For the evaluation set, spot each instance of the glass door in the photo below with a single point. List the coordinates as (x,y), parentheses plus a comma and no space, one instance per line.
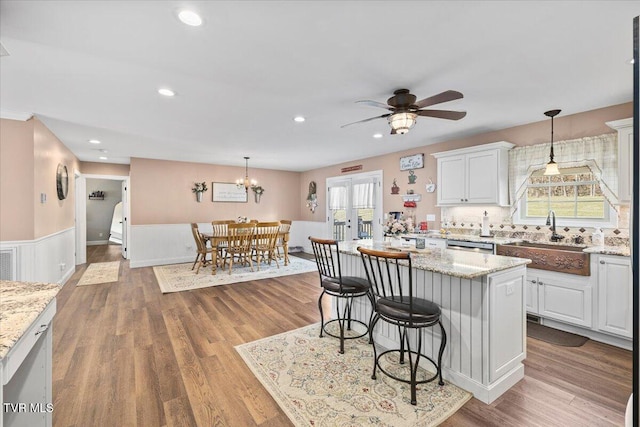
(353,208)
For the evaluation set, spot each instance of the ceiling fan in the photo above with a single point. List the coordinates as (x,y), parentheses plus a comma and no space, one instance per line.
(404,109)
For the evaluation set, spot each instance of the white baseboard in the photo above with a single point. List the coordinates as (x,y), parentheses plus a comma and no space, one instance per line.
(97,242)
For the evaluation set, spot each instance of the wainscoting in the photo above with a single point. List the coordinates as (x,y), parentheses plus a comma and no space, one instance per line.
(49,259)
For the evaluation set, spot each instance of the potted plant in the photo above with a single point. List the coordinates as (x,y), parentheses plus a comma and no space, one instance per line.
(257,192)
(199,188)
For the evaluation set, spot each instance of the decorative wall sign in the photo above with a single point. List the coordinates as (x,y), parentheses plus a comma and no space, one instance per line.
(228,192)
(351,168)
(62,181)
(415,161)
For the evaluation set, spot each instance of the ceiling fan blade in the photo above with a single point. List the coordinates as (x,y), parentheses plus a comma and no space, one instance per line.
(375,104)
(446,96)
(442,114)
(366,120)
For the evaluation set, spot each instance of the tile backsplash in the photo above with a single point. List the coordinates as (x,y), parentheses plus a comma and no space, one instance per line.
(468,220)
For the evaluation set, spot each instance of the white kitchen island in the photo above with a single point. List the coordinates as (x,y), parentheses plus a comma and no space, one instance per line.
(483,313)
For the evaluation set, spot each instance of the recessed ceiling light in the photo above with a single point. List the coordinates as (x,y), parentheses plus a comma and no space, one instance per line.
(94,141)
(102,158)
(190,18)
(377,135)
(298,119)
(166,92)
(632,61)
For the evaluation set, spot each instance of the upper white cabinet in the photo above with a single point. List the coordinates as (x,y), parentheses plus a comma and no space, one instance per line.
(474,175)
(625,157)
(615,295)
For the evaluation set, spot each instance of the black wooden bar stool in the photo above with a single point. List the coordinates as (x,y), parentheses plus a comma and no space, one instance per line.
(344,288)
(397,305)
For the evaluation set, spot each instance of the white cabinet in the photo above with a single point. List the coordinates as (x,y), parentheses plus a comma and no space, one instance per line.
(474,175)
(625,158)
(615,299)
(560,296)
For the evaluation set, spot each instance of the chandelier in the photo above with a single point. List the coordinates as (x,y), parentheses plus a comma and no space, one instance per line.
(401,122)
(246,183)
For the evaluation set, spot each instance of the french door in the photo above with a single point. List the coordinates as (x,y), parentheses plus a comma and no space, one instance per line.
(354,206)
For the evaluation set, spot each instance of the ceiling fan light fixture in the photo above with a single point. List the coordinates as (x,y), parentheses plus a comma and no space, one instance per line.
(552,166)
(401,122)
(190,18)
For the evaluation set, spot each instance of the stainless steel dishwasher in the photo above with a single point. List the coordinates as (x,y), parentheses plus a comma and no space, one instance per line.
(463,245)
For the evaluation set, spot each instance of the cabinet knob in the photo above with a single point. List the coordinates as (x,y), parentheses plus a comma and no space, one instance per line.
(466,200)
(533,282)
(462,200)
(602,261)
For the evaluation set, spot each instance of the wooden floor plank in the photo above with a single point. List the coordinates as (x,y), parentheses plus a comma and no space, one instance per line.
(126,354)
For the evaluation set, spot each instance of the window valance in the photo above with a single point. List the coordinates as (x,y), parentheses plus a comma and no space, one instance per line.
(598,153)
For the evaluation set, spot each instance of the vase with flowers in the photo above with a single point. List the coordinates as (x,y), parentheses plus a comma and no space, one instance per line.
(396,227)
(199,188)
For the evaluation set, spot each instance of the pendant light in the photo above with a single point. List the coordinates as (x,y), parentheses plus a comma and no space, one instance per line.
(246,183)
(552,167)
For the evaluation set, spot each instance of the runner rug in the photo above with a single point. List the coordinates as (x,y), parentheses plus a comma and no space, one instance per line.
(180,277)
(100,272)
(316,386)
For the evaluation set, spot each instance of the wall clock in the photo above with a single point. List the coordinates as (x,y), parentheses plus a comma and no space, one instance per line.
(62,181)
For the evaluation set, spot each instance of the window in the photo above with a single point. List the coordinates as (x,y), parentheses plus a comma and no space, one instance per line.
(575,195)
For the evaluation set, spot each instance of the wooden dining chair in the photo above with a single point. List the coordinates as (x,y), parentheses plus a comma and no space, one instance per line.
(283,240)
(264,245)
(201,247)
(239,238)
(219,237)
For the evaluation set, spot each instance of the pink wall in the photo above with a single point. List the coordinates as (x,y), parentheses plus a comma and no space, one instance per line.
(54,215)
(29,157)
(579,125)
(161,193)
(94,168)
(16,180)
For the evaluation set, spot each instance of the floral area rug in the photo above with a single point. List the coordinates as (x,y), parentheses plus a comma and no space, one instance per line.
(100,272)
(180,277)
(317,386)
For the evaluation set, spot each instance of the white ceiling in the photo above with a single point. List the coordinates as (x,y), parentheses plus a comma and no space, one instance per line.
(91,69)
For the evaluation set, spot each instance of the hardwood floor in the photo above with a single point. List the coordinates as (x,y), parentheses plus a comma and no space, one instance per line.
(125,354)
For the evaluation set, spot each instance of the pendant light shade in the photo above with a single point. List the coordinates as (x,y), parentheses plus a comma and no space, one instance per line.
(552,167)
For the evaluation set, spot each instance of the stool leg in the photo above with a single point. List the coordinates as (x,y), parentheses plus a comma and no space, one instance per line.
(321,313)
(414,367)
(373,310)
(402,333)
(443,343)
(375,353)
(341,320)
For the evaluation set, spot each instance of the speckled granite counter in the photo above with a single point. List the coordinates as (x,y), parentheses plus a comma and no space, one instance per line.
(463,264)
(609,250)
(20,304)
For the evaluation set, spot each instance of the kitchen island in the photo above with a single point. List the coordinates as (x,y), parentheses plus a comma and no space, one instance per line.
(26,312)
(483,312)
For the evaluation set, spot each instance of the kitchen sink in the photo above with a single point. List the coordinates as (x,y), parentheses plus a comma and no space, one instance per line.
(552,257)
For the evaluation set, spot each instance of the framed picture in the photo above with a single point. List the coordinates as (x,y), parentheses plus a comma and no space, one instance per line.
(412,162)
(228,192)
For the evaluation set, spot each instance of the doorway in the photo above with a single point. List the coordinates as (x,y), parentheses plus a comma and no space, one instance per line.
(354,206)
(117,231)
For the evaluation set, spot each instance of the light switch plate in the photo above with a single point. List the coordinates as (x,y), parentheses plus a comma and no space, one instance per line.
(431,217)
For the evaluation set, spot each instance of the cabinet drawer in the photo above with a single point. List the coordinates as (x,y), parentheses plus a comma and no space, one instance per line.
(21,349)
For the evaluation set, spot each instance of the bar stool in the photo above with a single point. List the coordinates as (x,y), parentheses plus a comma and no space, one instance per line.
(342,287)
(397,305)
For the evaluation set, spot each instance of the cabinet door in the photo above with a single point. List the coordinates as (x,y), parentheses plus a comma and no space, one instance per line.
(451,180)
(531,290)
(565,298)
(615,308)
(482,177)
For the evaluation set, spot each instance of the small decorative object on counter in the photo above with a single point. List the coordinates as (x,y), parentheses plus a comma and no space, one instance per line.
(578,239)
(257,192)
(412,177)
(394,188)
(598,237)
(394,227)
(485,232)
(199,188)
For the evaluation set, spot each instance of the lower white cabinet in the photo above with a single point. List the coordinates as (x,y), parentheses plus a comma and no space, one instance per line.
(560,296)
(615,302)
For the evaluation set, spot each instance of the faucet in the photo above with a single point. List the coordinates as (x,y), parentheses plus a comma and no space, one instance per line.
(555,237)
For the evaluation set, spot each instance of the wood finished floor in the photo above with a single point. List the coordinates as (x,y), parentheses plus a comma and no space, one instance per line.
(127,355)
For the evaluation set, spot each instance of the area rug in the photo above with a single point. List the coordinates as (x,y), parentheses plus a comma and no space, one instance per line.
(180,277)
(100,272)
(317,386)
(554,336)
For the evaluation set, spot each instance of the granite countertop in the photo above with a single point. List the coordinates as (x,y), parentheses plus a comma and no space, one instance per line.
(463,264)
(609,250)
(20,304)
